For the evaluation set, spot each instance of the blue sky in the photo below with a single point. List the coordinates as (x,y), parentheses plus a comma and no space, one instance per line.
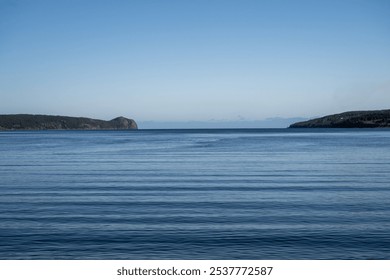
(194,60)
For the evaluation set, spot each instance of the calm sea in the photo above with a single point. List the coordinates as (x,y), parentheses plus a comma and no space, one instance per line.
(195,194)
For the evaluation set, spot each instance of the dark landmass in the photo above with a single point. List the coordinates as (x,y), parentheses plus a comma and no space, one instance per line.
(354,119)
(45,122)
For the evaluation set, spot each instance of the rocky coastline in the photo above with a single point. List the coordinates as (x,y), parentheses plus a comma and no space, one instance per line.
(353,119)
(50,122)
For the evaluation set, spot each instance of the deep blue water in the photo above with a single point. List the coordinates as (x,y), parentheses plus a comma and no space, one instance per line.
(195,194)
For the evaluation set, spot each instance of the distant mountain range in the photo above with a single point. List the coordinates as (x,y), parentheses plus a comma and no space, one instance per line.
(353,119)
(45,122)
(226,124)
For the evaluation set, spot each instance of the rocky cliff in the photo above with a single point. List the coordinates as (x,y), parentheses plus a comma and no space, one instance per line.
(44,122)
(354,119)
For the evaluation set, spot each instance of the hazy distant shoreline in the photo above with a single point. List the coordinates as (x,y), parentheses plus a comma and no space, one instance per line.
(352,119)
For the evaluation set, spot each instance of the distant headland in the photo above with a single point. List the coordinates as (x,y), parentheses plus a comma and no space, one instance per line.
(353,119)
(46,122)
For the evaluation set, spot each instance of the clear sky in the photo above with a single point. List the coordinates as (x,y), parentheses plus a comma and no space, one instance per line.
(194,60)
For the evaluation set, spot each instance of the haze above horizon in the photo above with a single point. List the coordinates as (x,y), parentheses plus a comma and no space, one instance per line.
(201,61)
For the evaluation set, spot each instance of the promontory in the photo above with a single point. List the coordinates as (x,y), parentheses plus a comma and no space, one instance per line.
(45,122)
(353,119)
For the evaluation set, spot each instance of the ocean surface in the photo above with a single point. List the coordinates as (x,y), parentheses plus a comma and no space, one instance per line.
(195,194)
